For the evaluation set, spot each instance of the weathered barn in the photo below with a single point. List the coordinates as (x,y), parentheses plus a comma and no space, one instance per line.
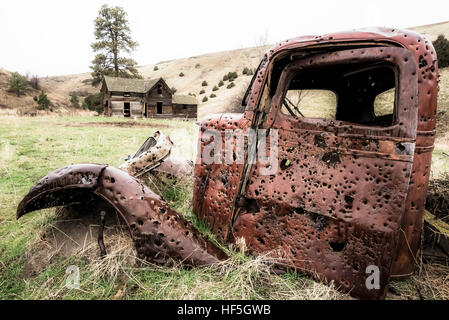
(145,98)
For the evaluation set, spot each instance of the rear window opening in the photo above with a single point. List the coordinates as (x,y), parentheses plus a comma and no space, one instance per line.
(358,93)
(310,103)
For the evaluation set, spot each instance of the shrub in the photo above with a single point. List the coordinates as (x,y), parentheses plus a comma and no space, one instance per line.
(213,95)
(202,91)
(441,45)
(215,88)
(181,74)
(225,77)
(250,72)
(74,101)
(197,66)
(205,99)
(231,85)
(221,83)
(42,102)
(155,68)
(35,98)
(245,70)
(94,102)
(204,83)
(232,76)
(17,84)
(173,89)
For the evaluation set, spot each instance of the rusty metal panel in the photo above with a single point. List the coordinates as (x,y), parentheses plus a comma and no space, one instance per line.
(217,184)
(160,234)
(360,220)
(338,207)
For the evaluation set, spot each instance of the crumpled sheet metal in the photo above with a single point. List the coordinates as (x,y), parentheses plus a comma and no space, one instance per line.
(152,157)
(160,234)
(176,167)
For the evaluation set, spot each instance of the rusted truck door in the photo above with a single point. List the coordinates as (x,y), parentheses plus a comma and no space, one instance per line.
(335,205)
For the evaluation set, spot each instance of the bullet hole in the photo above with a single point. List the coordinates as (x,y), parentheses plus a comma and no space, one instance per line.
(224,180)
(319,141)
(400,148)
(157,242)
(337,246)
(285,164)
(349,200)
(331,158)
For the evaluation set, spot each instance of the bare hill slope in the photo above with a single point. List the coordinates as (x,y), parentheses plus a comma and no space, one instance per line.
(209,67)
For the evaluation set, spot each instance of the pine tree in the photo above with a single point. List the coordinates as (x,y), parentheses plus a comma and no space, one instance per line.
(74,101)
(43,102)
(17,83)
(112,38)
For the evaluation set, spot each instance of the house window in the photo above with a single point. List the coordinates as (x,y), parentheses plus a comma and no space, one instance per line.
(127,109)
(159,89)
(184,106)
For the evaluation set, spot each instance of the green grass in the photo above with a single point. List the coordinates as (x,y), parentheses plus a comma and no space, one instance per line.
(32,147)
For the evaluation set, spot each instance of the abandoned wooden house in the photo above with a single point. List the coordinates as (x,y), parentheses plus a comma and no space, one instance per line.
(145,98)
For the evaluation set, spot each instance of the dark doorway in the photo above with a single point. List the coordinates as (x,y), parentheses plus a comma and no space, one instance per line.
(159,108)
(127,110)
(145,113)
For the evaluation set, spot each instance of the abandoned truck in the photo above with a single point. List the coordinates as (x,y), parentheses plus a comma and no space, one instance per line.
(349,190)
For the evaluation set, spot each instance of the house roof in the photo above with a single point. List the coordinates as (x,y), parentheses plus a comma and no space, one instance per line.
(184,99)
(143,86)
(129,85)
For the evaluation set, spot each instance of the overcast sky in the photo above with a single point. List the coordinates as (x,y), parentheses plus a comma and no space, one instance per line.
(51,37)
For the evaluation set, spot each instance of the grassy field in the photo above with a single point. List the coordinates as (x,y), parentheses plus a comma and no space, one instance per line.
(31,147)
(30,268)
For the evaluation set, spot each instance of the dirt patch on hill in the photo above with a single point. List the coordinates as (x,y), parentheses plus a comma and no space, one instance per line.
(122,124)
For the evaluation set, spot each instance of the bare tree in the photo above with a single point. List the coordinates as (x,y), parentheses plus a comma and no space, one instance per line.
(34,82)
(260,43)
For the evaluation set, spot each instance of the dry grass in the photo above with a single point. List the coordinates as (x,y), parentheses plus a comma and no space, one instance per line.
(239,277)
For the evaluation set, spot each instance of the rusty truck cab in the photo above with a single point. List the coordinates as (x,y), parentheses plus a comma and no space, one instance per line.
(349,191)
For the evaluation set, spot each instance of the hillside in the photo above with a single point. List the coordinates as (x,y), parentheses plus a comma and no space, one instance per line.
(432,31)
(210,67)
